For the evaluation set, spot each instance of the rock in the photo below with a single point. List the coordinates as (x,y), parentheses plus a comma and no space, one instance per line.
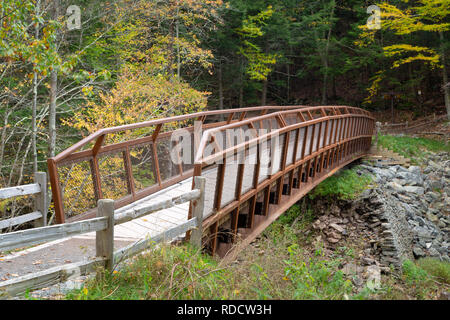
(357,281)
(434,166)
(415,170)
(435,184)
(385,270)
(432,217)
(433,252)
(415,190)
(368,261)
(432,196)
(373,277)
(396,187)
(350,269)
(418,252)
(319,225)
(444,296)
(337,227)
(399,181)
(332,240)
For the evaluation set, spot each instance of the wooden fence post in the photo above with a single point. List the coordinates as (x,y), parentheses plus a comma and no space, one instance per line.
(197,211)
(105,239)
(40,202)
(377,133)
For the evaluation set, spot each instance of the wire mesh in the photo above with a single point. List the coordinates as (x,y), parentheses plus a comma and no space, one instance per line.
(143,166)
(113,177)
(168,167)
(77,187)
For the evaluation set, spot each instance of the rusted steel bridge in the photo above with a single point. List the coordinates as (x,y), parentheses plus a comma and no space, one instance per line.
(278,154)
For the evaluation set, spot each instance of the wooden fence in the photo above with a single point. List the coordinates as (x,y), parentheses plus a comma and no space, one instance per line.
(411,127)
(103,225)
(39,188)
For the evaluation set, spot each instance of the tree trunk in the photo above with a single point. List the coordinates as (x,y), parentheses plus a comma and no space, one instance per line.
(34,110)
(446,84)
(178,47)
(288,87)
(265,82)
(220,80)
(219,76)
(325,60)
(264,93)
(241,86)
(53,94)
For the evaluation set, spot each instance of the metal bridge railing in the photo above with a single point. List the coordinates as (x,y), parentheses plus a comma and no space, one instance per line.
(129,162)
(299,149)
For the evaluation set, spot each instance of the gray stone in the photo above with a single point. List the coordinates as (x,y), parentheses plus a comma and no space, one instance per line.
(415,190)
(432,217)
(373,277)
(396,187)
(368,261)
(433,252)
(350,269)
(432,196)
(418,252)
(337,227)
(435,184)
(415,170)
(357,281)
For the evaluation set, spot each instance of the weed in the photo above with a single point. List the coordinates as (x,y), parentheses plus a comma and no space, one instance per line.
(346,184)
(436,268)
(414,148)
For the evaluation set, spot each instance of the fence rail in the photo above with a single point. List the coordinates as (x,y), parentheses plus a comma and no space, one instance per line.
(103,225)
(39,189)
(409,127)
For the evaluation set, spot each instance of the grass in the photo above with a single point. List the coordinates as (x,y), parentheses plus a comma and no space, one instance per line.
(279,266)
(439,270)
(414,148)
(346,184)
(423,279)
(167,272)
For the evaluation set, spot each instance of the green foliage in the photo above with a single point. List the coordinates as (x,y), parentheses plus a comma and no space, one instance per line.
(259,63)
(418,279)
(440,270)
(346,184)
(315,278)
(412,147)
(167,272)
(413,274)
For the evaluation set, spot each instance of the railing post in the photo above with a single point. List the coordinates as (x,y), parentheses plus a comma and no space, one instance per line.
(197,212)
(377,133)
(104,240)
(40,202)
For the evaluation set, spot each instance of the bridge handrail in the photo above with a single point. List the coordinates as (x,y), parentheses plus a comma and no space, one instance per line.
(284,128)
(72,155)
(343,133)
